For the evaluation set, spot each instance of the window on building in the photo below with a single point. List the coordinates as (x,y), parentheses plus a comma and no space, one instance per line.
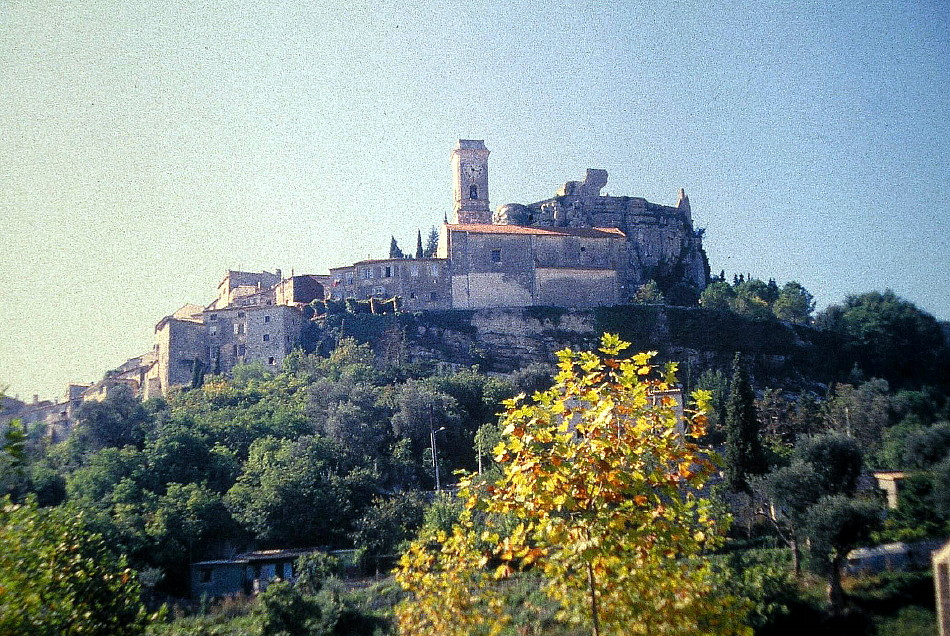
(433,269)
(213,330)
(235,350)
(240,314)
(389,272)
(433,296)
(413,270)
(238,328)
(496,256)
(266,318)
(473,192)
(213,317)
(271,361)
(241,350)
(266,337)
(412,295)
(287,338)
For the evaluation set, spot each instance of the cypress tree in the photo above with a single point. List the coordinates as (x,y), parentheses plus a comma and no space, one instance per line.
(418,243)
(744,455)
(394,251)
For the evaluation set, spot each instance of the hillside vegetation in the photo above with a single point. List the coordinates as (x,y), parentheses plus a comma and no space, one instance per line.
(335,451)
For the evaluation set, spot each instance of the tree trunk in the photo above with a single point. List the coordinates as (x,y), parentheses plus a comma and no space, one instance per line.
(593,599)
(796,558)
(835,592)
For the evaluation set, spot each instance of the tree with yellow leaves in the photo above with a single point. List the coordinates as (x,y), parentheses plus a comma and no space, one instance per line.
(602,494)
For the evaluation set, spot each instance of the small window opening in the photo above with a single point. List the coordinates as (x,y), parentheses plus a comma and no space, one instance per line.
(267,318)
(496,256)
(473,192)
(266,337)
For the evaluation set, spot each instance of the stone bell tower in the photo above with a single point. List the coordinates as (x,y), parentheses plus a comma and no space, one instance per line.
(470,176)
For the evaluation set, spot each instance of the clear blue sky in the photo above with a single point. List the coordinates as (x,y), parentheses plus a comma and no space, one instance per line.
(148,147)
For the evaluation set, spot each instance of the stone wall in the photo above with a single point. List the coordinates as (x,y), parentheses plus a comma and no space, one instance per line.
(179,343)
(251,334)
(504,340)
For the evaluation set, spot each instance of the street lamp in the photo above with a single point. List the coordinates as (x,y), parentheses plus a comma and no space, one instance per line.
(435,455)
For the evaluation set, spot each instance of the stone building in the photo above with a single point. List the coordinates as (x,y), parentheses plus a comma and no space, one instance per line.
(420,283)
(577,249)
(255,317)
(515,266)
(238,335)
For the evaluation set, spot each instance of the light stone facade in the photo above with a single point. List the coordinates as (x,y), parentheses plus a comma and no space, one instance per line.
(578,249)
(420,283)
(513,266)
(238,335)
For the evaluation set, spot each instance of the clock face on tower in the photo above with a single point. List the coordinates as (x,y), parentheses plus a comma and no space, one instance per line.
(472,170)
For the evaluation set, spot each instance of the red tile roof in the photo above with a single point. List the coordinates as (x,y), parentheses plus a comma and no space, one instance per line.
(582,232)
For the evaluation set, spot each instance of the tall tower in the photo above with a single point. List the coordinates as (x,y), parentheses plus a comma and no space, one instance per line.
(470,174)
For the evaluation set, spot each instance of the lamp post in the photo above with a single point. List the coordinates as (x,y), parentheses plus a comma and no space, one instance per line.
(435,454)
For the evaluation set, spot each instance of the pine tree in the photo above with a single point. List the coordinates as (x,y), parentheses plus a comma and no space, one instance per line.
(419,251)
(744,455)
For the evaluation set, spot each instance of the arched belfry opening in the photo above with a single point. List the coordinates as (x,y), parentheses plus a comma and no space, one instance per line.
(473,192)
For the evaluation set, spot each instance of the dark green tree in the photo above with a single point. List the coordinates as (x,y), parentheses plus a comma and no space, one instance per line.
(836,524)
(890,338)
(927,446)
(13,460)
(649,294)
(387,523)
(58,579)
(432,243)
(394,251)
(300,492)
(419,251)
(718,296)
(283,610)
(119,420)
(941,489)
(824,468)
(744,454)
(793,303)
(752,299)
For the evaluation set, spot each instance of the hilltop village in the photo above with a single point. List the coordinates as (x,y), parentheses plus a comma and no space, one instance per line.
(577,249)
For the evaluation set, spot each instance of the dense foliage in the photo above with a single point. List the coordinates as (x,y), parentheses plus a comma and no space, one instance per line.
(58,579)
(316,455)
(600,495)
(336,450)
